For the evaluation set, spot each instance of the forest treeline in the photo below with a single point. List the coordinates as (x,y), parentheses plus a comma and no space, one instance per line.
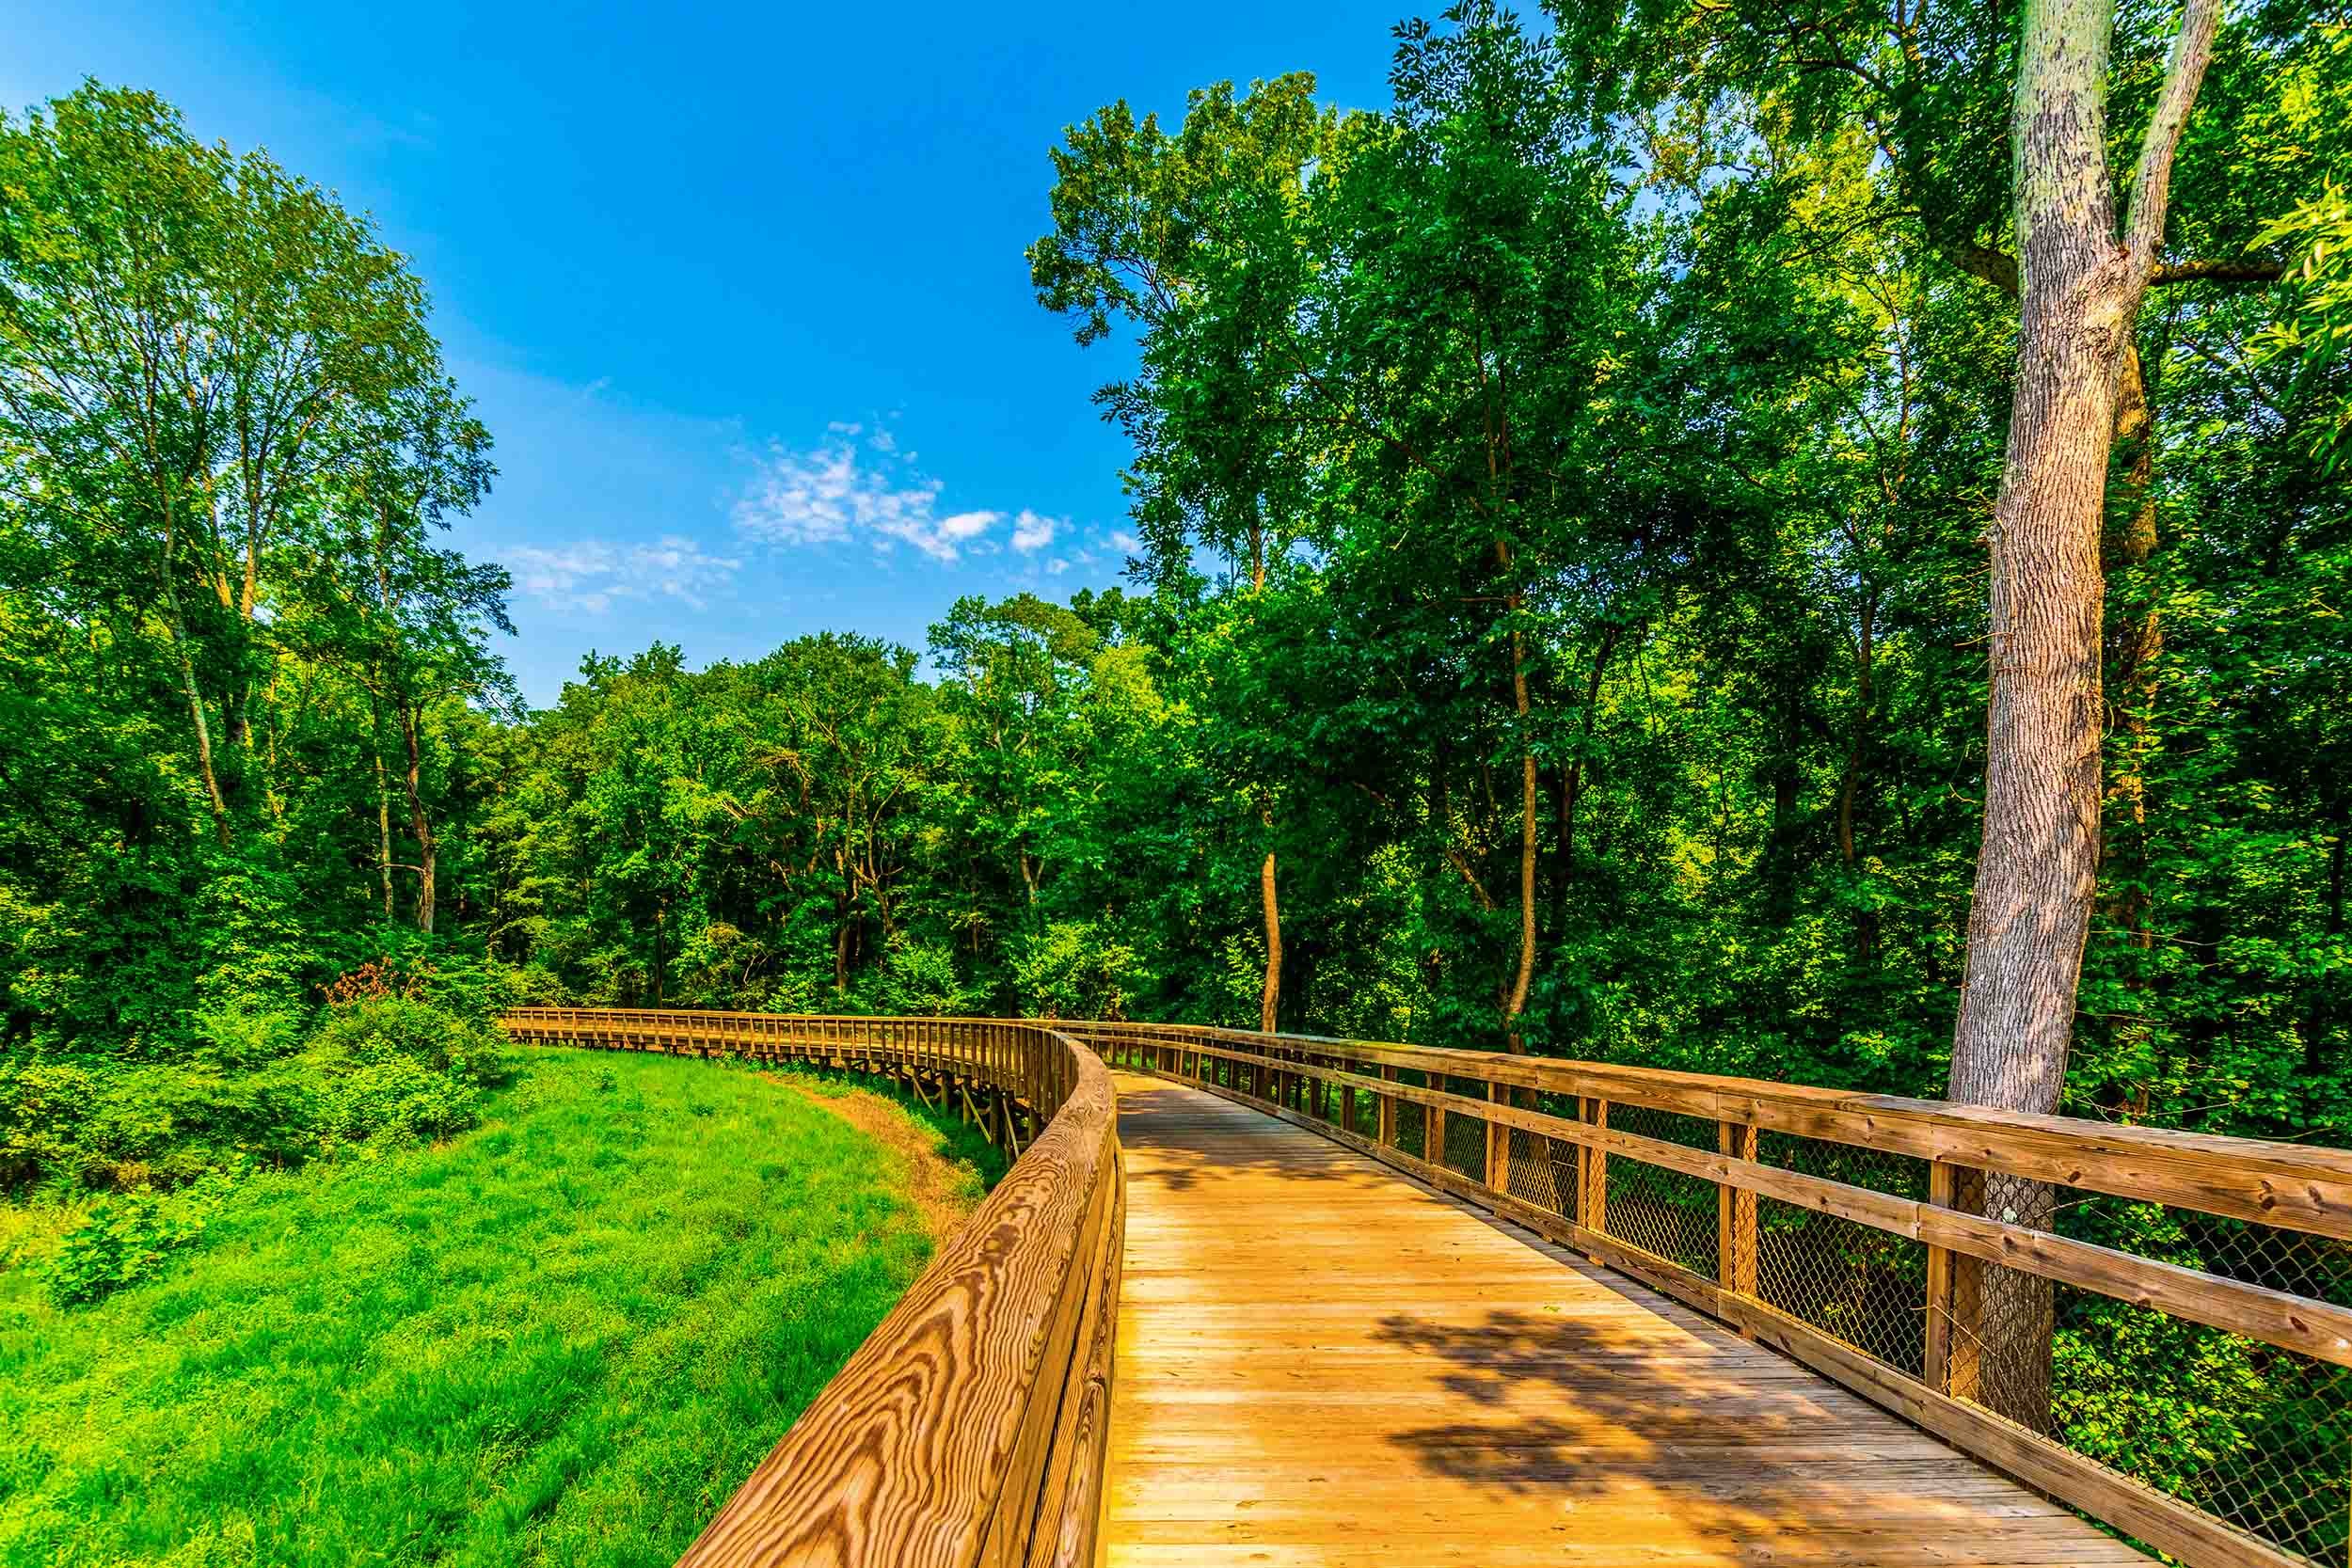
(1560,618)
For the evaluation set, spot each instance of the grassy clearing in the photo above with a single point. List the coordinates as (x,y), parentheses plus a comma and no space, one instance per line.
(564,1337)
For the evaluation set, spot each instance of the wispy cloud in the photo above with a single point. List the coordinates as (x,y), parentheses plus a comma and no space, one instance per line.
(1033,532)
(858,484)
(589,575)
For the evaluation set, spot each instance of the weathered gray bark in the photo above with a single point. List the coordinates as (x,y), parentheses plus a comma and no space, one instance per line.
(2036,874)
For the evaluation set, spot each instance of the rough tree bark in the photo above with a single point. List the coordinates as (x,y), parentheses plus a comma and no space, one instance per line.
(2082,285)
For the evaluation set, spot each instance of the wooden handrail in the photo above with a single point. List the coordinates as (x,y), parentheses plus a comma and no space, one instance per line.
(2290,1194)
(969,1428)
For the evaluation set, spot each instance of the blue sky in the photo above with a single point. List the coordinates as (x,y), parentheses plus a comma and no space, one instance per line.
(738,289)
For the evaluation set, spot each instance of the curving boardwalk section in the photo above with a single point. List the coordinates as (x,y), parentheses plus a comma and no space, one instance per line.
(1320,1361)
(1283,1300)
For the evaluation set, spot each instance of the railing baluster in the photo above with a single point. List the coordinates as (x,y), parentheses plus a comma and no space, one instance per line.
(1433,1121)
(1593,1167)
(1498,1144)
(1955,1292)
(1735,1213)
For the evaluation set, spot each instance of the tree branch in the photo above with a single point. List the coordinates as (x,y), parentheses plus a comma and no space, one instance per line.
(2246,271)
(2151,179)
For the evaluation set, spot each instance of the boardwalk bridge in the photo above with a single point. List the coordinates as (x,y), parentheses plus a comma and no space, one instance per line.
(1270,1299)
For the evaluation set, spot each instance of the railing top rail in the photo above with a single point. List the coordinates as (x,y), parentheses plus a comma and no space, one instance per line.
(2295,1186)
(1932,1128)
(968,1428)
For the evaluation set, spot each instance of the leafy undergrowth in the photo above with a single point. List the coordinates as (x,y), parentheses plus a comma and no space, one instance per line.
(564,1337)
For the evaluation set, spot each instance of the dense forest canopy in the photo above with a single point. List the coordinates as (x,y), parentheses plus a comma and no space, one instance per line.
(1559,621)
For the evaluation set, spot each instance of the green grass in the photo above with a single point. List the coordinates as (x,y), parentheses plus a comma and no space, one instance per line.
(563,1338)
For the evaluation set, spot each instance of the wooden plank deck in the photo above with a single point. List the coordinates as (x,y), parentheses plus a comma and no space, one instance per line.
(1322,1362)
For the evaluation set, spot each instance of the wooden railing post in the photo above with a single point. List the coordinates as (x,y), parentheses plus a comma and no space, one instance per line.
(1735,1214)
(1592,1203)
(1498,1145)
(1433,1121)
(1387,1130)
(1955,1292)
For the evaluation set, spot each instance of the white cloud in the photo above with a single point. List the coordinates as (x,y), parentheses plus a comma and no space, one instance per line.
(969,525)
(1033,532)
(1057,566)
(1122,540)
(589,574)
(843,489)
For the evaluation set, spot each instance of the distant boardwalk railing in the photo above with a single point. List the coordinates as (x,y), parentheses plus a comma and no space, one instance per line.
(2200,1401)
(969,1428)
(2152,1327)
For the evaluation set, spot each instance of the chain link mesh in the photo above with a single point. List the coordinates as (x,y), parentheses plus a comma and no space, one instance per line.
(1466,1132)
(1542,1174)
(1409,1119)
(1849,1280)
(2251,1433)
(1662,1211)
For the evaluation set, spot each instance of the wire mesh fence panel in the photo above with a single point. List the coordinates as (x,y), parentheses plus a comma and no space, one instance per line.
(2251,1434)
(1664,1212)
(1862,1285)
(1465,1132)
(1541,1173)
(1409,1121)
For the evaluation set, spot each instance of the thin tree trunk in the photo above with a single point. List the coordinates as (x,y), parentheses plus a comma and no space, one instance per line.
(1857,749)
(383,818)
(420,825)
(1270,999)
(2138,639)
(2037,873)
(1517,1003)
(179,626)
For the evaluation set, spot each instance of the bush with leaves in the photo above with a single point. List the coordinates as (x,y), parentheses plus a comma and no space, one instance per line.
(126,1237)
(396,1068)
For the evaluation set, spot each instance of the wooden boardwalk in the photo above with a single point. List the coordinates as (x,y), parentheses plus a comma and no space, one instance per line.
(1320,1361)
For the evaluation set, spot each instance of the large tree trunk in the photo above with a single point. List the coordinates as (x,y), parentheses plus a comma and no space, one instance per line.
(2038,868)
(422,828)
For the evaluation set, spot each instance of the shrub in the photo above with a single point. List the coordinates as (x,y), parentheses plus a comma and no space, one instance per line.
(126,1237)
(241,1035)
(393,1067)
(397,1099)
(919,978)
(89,1122)
(392,1028)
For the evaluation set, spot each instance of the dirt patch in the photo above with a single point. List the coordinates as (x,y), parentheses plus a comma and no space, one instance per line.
(943,1190)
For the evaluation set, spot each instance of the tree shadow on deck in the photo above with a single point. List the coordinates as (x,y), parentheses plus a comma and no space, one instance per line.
(1198,1141)
(1705,1449)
